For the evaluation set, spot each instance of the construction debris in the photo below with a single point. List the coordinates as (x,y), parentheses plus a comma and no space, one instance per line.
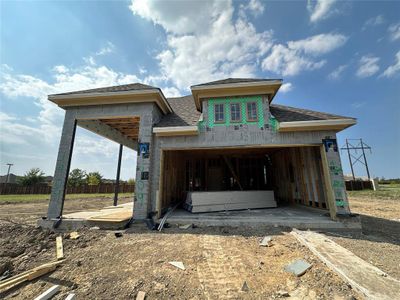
(282,294)
(29,275)
(187,226)
(177,264)
(245,287)
(59,248)
(71,297)
(298,267)
(141,295)
(266,242)
(49,293)
(119,233)
(361,275)
(164,219)
(73,235)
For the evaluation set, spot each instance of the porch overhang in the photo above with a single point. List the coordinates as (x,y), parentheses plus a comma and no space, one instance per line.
(100,98)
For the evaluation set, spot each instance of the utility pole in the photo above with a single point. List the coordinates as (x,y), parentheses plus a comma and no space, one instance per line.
(8,176)
(350,147)
(351,164)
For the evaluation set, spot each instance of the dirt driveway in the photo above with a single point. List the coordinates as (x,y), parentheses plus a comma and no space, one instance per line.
(218,260)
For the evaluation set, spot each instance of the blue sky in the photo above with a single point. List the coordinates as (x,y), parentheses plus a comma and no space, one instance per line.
(334,56)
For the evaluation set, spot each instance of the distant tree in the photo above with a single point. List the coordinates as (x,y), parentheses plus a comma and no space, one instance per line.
(94,178)
(77,177)
(32,177)
(131,181)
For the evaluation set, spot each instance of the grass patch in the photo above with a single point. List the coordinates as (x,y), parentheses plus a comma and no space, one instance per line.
(46,197)
(384,192)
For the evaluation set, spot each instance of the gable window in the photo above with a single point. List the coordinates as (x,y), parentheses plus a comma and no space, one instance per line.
(252,111)
(235,112)
(219,113)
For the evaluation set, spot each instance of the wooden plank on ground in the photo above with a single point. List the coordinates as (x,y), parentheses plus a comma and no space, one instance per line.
(29,275)
(141,295)
(364,277)
(119,216)
(59,248)
(49,293)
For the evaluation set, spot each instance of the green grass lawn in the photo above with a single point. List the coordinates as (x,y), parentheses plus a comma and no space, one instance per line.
(385,191)
(46,197)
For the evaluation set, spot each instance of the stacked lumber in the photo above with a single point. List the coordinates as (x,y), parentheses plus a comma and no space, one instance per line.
(197,202)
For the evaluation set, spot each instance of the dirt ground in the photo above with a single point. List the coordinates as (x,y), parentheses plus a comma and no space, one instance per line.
(218,260)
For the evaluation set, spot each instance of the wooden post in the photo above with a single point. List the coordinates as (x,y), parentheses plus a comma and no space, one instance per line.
(118,173)
(330,199)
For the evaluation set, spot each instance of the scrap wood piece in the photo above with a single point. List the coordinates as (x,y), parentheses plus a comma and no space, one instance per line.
(366,278)
(141,295)
(186,226)
(29,275)
(177,264)
(74,235)
(49,293)
(266,242)
(59,248)
(298,267)
(71,297)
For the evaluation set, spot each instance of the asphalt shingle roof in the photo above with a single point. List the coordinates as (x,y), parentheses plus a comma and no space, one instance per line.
(110,89)
(235,80)
(186,114)
(291,114)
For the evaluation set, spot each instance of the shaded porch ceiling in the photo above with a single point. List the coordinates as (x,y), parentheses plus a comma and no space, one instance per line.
(128,127)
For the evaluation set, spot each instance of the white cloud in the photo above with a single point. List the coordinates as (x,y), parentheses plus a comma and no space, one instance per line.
(394,31)
(320,9)
(374,21)
(367,66)
(335,74)
(171,92)
(255,7)
(393,69)
(205,40)
(301,55)
(286,87)
(107,49)
(50,116)
(180,17)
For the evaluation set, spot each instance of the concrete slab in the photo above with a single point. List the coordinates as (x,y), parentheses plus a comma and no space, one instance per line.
(290,216)
(298,267)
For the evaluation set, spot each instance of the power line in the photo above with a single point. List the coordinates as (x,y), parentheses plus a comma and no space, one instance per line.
(351,148)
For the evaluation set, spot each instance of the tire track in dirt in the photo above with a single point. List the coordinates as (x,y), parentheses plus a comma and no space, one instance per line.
(221,272)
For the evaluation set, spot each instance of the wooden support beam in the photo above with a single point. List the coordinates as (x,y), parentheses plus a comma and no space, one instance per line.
(330,196)
(229,164)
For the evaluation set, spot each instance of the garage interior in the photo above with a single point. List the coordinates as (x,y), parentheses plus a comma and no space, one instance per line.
(294,174)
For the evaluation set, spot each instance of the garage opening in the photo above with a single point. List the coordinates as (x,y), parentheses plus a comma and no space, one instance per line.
(288,175)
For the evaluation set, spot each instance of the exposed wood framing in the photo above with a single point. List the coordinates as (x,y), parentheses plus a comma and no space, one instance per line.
(129,127)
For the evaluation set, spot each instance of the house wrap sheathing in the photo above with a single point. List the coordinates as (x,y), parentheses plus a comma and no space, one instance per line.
(227,136)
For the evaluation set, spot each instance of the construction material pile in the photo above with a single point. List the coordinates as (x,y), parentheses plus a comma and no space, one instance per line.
(197,202)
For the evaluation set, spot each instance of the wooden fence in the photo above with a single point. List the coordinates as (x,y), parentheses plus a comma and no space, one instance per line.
(104,188)
(358,185)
